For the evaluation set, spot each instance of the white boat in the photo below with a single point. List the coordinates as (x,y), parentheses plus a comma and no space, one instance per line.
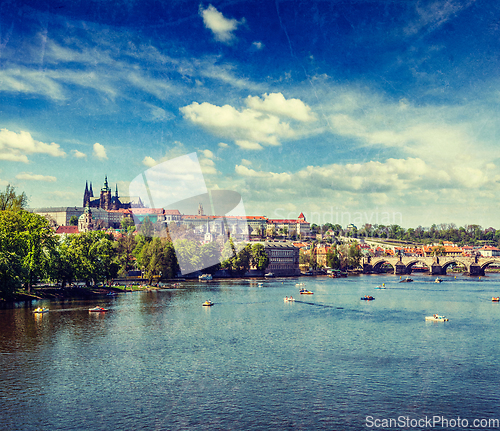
(208,303)
(269,275)
(205,277)
(436,318)
(98,309)
(287,299)
(40,310)
(382,286)
(438,280)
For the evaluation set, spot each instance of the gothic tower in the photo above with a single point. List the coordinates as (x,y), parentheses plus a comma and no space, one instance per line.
(105,197)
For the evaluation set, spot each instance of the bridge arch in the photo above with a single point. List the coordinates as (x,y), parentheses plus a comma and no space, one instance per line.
(409,265)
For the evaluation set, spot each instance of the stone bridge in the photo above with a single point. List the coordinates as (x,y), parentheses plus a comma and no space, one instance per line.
(437,265)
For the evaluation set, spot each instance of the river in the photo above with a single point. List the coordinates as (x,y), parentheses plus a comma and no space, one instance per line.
(158,360)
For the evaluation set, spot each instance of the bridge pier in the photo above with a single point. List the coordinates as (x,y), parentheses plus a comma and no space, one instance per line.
(400,268)
(367,268)
(437,269)
(475,269)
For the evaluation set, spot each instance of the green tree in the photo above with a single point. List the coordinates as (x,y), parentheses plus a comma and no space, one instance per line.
(333,258)
(260,259)
(93,255)
(354,255)
(11,201)
(73,221)
(126,223)
(30,238)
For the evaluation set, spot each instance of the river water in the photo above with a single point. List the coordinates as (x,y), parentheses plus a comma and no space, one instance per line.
(329,361)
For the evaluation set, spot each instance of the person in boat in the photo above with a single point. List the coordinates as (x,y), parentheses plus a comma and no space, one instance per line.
(286,298)
(291,297)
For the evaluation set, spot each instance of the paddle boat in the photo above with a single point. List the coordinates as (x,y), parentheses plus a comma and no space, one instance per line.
(305,292)
(367,298)
(111,294)
(260,284)
(40,310)
(436,318)
(300,284)
(438,280)
(287,299)
(98,309)
(496,299)
(269,275)
(208,303)
(406,280)
(205,277)
(382,286)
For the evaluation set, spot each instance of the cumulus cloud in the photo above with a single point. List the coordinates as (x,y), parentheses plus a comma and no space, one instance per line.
(249,128)
(78,154)
(35,177)
(223,145)
(15,146)
(100,151)
(275,103)
(221,27)
(258,45)
(149,161)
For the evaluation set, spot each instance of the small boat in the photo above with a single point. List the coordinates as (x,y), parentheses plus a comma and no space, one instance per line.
(382,286)
(205,277)
(40,310)
(305,292)
(436,318)
(111,294)
(260,284)
(287,299)
(406,280)
(269,275)
(300,284)
(367,298)
(208,303)
(496,299)
(438,280)
(98,309)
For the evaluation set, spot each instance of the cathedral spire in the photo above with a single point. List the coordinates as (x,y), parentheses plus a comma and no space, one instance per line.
(116,191)
(90,191)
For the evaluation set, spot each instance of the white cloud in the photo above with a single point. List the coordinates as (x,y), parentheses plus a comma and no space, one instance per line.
(221,27)
(208,166)
(248,145)
(149,161)
(246,162)
(249,127)
(258,45)
(15,146)
(35,177)
(223,145)
(79,154)
(208,154)
(275,103)
(100,151)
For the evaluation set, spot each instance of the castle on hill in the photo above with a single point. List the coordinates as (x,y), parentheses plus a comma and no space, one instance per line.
(107,202)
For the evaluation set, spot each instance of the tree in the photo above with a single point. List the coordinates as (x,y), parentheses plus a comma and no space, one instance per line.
(10,201)
(147,229)
(73,221)
(260,259)
(354,255)
(28,236)
(126,223)
(333,258)
(93,255)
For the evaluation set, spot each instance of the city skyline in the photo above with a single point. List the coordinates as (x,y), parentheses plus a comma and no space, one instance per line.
(348,112)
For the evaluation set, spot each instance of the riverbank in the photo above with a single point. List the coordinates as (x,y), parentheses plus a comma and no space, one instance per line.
(75,292)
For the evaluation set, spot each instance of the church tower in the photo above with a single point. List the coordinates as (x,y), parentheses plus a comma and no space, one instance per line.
(105,197)
(200,209)
(116,199)
(85,223)
(86,195)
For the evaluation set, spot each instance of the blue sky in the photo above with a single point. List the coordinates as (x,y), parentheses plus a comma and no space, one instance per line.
(362,111)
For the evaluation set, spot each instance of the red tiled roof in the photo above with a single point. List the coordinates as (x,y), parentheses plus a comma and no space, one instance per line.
(67,229)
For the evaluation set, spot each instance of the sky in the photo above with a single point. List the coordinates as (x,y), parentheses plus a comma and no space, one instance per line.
(380,112)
